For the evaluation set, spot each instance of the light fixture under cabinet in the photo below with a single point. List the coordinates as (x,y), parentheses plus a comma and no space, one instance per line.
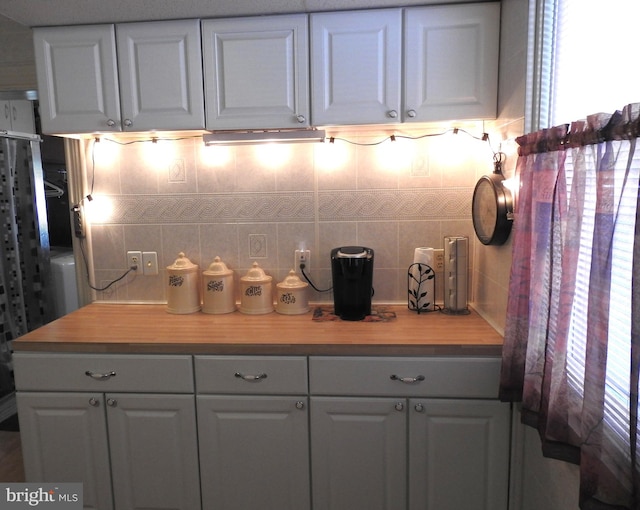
(258,137)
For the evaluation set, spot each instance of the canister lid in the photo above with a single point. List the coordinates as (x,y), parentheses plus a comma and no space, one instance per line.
(292,281)
(218,268)
(256,275)
(182,263)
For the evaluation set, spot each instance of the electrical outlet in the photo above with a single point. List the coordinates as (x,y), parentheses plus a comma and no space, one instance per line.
(150,263)
(438,261)
(134,258)
(302,257)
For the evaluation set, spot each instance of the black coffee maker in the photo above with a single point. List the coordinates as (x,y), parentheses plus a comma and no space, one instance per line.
(352,273)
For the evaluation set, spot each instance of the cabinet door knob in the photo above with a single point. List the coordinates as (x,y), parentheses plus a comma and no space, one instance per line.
(299,405)
(392,114)
(128,122)
(112,402)
(100,377)
(419,408)
(407,380)
(399,406)
(15,113)
(301,119)
(251,377)
(111,122)
(412,113)
(94,402)
(6,111)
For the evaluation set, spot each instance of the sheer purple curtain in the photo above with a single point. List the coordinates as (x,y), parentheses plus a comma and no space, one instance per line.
(573,319)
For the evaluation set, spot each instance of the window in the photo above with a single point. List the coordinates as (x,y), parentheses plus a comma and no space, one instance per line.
(574,292)
(589,63)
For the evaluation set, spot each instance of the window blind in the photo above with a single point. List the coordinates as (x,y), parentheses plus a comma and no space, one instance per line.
(589,58)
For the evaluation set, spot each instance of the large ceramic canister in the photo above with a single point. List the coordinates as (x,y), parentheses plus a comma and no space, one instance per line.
(255,292)
(183,293)
(291,295)
(217,288)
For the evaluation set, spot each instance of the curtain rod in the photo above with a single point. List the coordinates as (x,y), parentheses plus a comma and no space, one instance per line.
(597,128)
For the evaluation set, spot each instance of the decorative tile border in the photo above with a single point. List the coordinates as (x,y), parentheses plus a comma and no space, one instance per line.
(424,204)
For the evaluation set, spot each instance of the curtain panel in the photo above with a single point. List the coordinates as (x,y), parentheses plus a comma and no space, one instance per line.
(572,335)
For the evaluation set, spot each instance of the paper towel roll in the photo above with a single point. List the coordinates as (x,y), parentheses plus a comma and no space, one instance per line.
(422,256)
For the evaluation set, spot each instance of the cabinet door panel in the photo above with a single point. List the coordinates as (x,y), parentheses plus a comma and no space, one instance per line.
(256,72)
(356,67)
(358,452)
(451,62)
(160,68)
(458,455)
(77,79)
(254,452)
(154,454)
(64,439)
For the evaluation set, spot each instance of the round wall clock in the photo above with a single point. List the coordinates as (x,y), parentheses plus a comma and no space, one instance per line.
(492,207)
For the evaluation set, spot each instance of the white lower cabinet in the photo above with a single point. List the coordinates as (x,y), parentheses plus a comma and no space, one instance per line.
(64,439)
(254,452)
(358,452)
(458,454)
(253,428)
(272,432)
(402,433)
(131,451)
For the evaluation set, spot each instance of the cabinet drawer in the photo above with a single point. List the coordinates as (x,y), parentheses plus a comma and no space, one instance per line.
(103,372)
(251,375)
(420,377)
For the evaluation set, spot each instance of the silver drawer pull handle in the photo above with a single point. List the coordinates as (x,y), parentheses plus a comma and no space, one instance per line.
(407,380)
(249,377)
(100,377)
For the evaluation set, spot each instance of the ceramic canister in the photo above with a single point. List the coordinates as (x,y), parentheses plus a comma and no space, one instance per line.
(183,294)
(292,295)
(255,292)
(217,288)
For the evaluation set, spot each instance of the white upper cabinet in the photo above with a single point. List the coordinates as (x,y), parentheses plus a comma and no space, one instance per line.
(77,78)
(160,70)
(377,66)
(156,77)
(356,67)
(256,72)
(441,65)
(451,62)
(17,115)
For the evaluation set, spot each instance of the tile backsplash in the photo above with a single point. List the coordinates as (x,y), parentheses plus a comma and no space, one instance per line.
(260,203)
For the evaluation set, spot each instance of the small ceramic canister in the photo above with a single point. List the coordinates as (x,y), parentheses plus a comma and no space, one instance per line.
(183,295)
(217,288)
(255,292)
(292,295)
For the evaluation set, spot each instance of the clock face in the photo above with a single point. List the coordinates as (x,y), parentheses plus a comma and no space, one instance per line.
(492,210)
(485,211)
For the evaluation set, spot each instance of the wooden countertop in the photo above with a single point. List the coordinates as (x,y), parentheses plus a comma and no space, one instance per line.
(128,328)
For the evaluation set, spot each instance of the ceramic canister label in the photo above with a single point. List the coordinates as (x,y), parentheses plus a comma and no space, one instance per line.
(175,280)
(215,286)
(288,298)
(253,290)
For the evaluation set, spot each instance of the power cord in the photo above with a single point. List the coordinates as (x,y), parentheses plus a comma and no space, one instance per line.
(302,266)
(86,266)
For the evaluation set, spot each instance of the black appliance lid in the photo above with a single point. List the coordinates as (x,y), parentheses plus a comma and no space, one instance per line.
(354,252)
